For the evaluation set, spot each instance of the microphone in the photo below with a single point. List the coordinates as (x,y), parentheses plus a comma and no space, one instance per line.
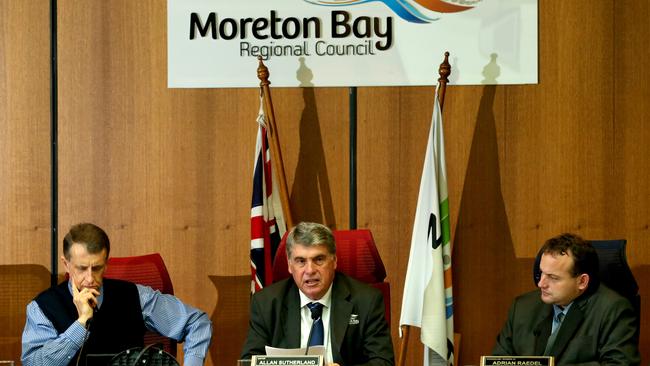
(90,321)
(315,316)
(317,313)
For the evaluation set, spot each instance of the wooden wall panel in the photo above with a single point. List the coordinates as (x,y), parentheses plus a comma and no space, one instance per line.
(314,134)
(24,133)
(567,121)
(25,167)
(629,192)
(379,163)
(169,170)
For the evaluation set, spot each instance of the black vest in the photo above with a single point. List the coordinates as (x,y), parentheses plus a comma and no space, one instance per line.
(116,326)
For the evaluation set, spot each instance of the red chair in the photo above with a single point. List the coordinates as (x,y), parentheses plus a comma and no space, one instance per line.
(356,256)
(148,270)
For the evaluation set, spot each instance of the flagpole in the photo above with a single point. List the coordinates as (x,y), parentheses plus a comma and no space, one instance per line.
(263,75)
(444,71)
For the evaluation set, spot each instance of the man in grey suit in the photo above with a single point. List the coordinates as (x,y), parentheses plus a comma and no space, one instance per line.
(572,316)
(350,321)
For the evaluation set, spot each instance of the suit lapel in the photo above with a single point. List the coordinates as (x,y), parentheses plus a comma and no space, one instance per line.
(339,315)
(543,330)
(292,323)
(570,325)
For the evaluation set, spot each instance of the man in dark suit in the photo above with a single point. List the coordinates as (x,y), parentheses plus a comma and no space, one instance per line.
(572,316)
(354,329)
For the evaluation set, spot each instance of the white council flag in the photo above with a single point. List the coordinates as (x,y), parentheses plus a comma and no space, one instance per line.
(428,301)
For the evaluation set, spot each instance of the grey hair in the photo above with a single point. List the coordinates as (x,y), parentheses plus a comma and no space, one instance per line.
(311,234)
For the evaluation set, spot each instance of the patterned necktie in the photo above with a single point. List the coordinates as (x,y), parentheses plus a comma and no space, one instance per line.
(551,339)
(317,331)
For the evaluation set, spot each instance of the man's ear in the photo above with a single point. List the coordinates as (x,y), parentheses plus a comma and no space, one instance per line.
(66,264)
(289,265)
(583,281)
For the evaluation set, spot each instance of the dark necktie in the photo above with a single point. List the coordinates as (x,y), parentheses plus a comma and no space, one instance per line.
(317,331)
(551,339)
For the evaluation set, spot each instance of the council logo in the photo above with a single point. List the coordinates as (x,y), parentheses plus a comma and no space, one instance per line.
(406,10)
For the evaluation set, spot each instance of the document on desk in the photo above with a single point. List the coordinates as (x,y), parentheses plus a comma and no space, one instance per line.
(313,351)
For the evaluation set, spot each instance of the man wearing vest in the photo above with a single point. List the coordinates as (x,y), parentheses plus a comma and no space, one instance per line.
(89,314)
(319,306)
(572,316)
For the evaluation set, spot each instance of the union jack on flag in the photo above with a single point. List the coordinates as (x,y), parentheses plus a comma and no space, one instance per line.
(267,221)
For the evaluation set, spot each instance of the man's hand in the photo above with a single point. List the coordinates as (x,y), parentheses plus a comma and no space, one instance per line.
(333,364)
(85,301)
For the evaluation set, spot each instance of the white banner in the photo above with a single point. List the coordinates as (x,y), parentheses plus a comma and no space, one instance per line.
(215,43)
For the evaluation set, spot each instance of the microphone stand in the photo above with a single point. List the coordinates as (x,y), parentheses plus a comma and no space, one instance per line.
(86,336)
(309,337)
(89,323)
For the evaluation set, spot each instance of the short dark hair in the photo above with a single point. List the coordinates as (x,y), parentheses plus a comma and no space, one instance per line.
(585,258)
(311,234)
(89,235)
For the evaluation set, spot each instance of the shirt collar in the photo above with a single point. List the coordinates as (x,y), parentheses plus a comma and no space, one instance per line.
(559,309)
(326,300)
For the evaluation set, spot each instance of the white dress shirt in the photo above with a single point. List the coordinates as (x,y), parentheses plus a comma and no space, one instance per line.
(306,322)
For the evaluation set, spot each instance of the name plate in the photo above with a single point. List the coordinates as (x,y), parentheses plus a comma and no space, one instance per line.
(517,360)
(307,360)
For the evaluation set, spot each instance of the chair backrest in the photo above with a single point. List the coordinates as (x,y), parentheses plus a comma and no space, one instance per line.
(19,284)
(356,255)
(148,270)
(613,270)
